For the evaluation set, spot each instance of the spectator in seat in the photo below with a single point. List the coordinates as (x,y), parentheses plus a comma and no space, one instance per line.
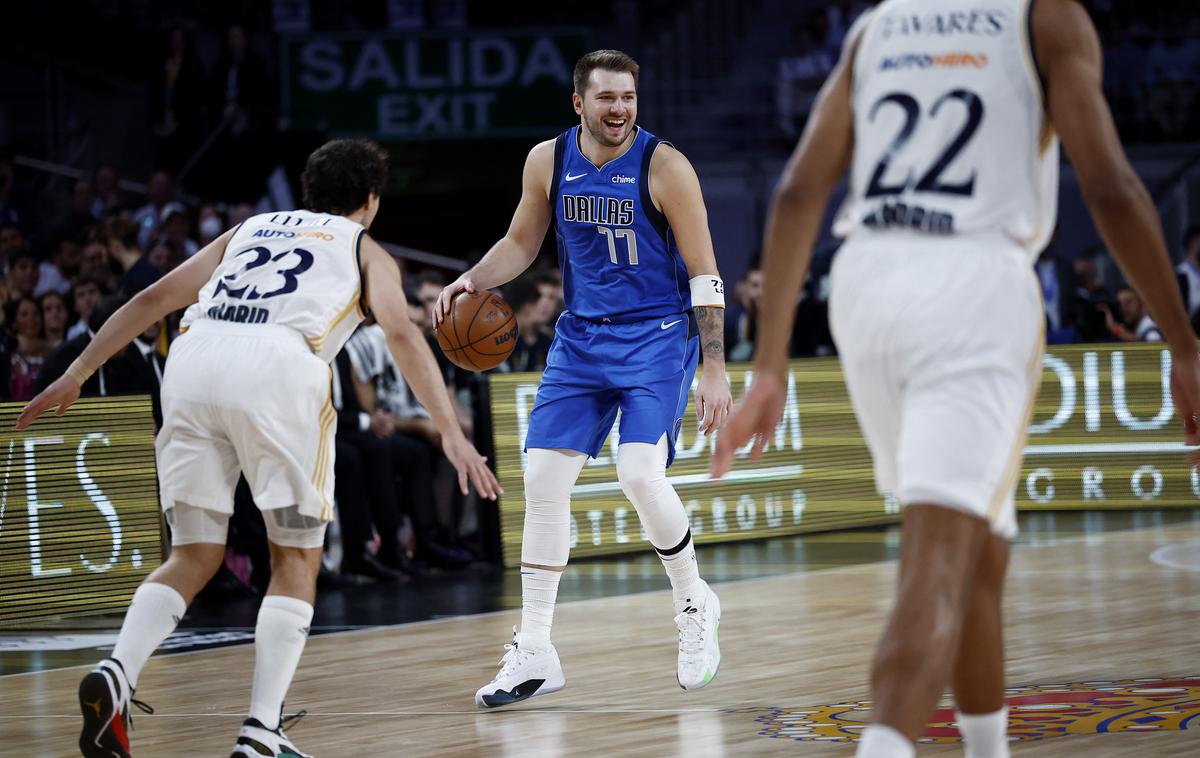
(107,192)
(138,370)
(1188,271)
(27,350)
(23,275)
(365,486)
(55,274)
(748,294)
(159,191)
(55,319)
(534,304)
(1135,324)
(60,358)
(209,224)
(413,442)
(1093,303)
(85,295)
(95,264)
(120,237)
(177,228)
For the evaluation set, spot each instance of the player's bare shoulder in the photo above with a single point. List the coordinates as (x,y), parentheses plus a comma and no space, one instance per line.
(539,166)
(671,174)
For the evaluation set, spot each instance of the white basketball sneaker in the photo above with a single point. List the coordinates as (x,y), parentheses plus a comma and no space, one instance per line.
(525,672)
(699,653)
(257,741)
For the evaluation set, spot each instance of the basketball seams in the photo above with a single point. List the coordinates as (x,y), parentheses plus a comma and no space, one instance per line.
(465,353)
(487,299)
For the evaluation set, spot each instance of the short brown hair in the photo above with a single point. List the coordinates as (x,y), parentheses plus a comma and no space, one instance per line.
(605,60)
(341,175)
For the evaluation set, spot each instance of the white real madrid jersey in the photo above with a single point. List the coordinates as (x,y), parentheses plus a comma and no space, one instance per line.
(292,268)
(950,135)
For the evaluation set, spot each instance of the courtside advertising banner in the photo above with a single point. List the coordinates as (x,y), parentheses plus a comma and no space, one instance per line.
(79,514)
(1104,435)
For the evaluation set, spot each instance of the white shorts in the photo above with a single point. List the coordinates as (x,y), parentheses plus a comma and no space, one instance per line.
(941,342)
(252,399)
(285,526)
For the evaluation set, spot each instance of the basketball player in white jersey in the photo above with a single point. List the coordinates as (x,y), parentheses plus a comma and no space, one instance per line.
(247,389)
(947,114)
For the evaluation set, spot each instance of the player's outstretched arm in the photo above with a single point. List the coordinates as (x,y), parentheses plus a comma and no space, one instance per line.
(518,248)
(675,189)
(385,295)
(1068,52)
(794,220)
(176,290)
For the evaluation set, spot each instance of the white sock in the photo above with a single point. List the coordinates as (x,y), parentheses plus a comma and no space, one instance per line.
(882,741)
(153,614)
(279,639)
(687,588)
(986,734)
(539,590)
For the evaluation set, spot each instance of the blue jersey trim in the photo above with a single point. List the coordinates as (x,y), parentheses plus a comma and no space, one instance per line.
(560,146)
(653,214)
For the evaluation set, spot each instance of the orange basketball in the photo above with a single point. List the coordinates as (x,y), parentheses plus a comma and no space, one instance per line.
(480,332)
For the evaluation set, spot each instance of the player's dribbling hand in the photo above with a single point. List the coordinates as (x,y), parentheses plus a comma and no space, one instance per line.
(472,467)
(755,417)
(713,401)
(441,309)
(1185,389)
(62,394)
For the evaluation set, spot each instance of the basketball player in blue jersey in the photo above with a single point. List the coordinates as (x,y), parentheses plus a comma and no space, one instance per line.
(937,314)
(643,299)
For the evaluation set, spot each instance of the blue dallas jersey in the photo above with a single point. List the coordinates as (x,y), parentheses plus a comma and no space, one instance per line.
(618,257)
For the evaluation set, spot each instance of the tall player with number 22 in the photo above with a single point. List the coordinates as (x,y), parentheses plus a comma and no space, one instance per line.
(947,114)
(247,389)
(640,280)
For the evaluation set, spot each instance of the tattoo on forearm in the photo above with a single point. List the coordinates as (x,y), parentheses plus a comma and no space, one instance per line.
(712,330)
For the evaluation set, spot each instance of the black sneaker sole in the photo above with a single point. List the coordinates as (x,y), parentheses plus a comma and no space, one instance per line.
(521,692)
(96,739)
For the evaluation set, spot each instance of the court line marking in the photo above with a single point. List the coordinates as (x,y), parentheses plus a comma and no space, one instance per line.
(545,711)
(1161,556)
(516,611)
(461,617)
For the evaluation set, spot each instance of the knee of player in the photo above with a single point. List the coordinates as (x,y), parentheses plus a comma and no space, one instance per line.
(638,480)
(545,493)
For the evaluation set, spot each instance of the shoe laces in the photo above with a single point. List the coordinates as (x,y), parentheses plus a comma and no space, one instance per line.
(691,633)
(514,656)
(291,719)
(127,716)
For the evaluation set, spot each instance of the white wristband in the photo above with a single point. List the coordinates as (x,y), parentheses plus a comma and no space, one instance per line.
(707,289)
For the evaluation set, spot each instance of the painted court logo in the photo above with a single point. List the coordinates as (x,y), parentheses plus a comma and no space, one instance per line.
(1034,713)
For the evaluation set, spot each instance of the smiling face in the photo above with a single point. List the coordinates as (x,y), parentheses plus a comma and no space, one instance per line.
(608,106)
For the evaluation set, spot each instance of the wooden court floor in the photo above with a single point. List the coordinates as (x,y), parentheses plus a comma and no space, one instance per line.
(1090,609)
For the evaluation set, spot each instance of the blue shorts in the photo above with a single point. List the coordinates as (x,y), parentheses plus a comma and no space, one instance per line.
(644,369)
